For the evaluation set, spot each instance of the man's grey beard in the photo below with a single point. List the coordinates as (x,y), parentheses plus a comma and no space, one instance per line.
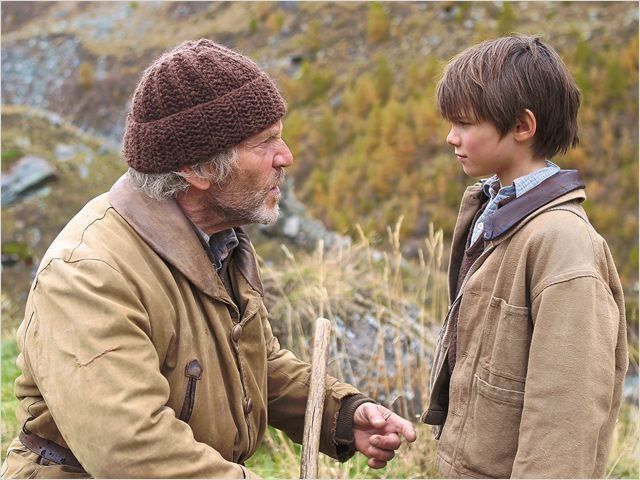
(242,210)
(265,216)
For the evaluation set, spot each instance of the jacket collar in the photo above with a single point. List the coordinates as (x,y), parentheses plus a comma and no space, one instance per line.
(165,228)
(472,201)
(566,186)
(554,187)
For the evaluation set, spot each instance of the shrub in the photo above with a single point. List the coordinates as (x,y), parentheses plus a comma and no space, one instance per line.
(506,19)
(86,75)
(378,23)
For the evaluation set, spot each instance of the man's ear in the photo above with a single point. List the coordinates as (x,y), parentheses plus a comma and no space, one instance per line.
(525,127)
(196,182)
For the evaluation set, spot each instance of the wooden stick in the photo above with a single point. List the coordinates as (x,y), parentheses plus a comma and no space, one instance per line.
(315,402)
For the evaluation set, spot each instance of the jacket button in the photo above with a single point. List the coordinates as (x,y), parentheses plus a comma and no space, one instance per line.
(248,406)
(236,333)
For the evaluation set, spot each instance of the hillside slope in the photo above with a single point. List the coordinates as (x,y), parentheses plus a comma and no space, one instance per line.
(359,78)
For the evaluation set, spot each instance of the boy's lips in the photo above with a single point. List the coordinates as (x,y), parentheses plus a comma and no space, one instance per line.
(460,157)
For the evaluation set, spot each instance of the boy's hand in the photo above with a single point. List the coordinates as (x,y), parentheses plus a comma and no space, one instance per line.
(376,431)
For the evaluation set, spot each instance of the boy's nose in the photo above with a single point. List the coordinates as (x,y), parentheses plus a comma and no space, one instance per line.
(453,138)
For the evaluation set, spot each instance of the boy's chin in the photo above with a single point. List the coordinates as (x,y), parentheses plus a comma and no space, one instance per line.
(470,172)
(476,173)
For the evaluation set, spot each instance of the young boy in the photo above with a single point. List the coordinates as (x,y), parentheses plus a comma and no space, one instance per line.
(529,367)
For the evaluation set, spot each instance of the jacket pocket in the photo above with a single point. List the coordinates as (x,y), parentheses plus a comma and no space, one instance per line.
(193,372)
(492,428)
(506,342)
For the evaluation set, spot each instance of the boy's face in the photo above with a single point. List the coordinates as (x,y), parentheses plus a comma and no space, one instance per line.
(481,150)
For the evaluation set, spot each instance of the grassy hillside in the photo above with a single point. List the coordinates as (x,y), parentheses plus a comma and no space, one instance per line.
(359,79)
(369,148)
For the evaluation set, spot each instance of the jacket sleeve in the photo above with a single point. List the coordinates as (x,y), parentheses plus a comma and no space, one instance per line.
(570,380)
(89,344)
(288,388)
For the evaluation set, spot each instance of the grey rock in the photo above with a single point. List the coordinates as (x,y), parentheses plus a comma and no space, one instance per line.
(631,386)
(25,177)
(83,171)
(28,67)
(22,142)
(290,5)
(101,67)
(336,101)
(65,152)
(297,226)
(449,12)
(291,226)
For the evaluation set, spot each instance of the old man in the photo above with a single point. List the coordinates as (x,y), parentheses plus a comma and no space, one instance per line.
(145,349)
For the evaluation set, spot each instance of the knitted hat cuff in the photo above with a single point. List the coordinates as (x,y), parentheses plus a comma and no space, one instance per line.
(199,133)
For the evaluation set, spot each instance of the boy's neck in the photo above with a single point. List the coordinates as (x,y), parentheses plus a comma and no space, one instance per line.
(520,169)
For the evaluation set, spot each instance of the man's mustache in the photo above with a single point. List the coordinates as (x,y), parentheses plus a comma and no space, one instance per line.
(279,178)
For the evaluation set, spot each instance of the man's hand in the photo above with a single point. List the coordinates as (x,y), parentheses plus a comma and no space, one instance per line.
(377,430)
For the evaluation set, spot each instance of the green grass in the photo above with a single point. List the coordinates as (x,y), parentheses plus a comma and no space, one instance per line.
(279,457)
(624,455)
(10,156)
(9,402)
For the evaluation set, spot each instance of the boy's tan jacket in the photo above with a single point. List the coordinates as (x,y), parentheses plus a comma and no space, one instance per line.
(134,356)
(541,349)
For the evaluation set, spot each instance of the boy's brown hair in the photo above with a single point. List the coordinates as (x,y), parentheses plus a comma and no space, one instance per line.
(497,80)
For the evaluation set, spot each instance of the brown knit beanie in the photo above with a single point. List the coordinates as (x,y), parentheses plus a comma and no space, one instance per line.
(194,102)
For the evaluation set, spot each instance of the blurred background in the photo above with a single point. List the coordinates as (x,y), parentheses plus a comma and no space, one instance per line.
(371,200)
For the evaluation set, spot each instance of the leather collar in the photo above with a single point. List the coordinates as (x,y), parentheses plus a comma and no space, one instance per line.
(164,227)
(554,187)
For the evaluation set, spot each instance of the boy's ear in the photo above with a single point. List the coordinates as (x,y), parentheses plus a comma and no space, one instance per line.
(525,127)
(196,182)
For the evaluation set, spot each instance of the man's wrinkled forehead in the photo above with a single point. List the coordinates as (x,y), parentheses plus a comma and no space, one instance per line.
(270,131)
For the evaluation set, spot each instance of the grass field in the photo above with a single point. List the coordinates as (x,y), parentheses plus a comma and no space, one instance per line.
(382,287)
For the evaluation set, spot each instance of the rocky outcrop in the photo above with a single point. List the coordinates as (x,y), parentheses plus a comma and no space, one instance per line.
(296,226)
(26,176)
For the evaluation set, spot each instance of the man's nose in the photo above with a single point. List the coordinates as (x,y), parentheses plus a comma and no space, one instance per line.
(284,157)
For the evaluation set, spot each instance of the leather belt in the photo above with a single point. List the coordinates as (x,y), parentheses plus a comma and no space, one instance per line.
(49,450)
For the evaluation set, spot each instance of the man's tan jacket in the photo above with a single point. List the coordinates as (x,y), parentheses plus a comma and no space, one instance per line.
(135,357)
(541,343)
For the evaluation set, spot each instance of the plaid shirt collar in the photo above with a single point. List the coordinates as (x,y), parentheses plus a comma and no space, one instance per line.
(521,185)
(221,244)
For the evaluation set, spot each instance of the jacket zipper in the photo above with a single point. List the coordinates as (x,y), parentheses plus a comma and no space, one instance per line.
(193,371)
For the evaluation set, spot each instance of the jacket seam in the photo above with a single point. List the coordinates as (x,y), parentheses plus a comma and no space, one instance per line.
(71,262)
(552,282)
(504,375)
(73,250)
